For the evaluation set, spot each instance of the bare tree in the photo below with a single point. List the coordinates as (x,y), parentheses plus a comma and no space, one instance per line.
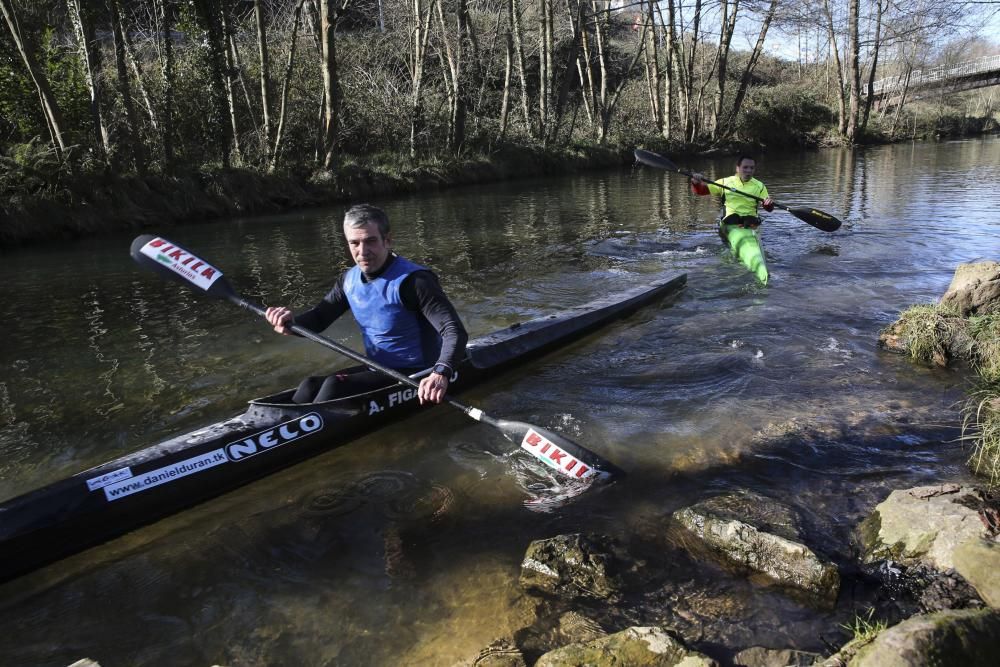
(873,66)
(749,69)
(835,54)
(330,16)
(50,109)
(854,69)
(209,15)
(134,140)
(420,36)
(90,56)
(285,82)
(730,9)
(164,14)
(265,79)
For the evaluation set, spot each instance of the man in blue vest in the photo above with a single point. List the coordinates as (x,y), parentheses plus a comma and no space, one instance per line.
(406,320)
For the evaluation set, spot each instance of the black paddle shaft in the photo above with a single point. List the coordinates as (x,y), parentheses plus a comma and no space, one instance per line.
(812,216)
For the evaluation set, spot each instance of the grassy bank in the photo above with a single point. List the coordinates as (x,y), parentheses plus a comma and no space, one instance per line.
(933,333)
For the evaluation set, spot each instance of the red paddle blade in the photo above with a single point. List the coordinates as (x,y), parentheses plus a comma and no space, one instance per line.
(559,453)
(174,262)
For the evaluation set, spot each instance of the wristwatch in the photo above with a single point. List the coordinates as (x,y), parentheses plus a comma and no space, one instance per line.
(441,369)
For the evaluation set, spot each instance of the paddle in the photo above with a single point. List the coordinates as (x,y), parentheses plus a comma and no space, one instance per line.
(560,453)
(812,216)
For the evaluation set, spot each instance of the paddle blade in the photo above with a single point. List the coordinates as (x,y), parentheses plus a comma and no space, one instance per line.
(559,453)
(816,218)
(654,160)
(174,262)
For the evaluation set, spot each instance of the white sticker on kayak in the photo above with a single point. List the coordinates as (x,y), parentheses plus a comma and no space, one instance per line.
(548,453)
(95,483)
(182,262)
(174,471)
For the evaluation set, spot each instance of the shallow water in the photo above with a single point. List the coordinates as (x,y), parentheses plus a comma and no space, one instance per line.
(404,547)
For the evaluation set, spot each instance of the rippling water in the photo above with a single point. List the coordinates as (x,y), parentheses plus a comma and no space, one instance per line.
(403,547)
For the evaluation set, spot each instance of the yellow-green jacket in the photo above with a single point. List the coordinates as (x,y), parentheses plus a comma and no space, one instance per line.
(736,203)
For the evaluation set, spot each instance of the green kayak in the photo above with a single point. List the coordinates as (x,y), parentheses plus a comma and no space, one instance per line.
(746,247)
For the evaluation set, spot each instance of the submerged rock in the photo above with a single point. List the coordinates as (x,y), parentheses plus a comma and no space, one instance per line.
(575,566)
(758,656)
(766,541)
(637,646)
(500,653)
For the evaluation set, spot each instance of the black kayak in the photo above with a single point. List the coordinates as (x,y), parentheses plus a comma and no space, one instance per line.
(95,505)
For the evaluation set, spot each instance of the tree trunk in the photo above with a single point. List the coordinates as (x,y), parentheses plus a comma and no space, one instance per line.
(452,59)
(514,12)
(217,59)
(854,64)
(576,27)
(835,52)
(329,17)
(167,72)
(874,66)
(653,72)
(728,26)
(612,102)
(233,68)
(125,90)
(748,72)
(418,52)
(546,53)
(508,66)
(90,56)
(140,84)
(265,75)
(280,130)
(902,99)
(50,109)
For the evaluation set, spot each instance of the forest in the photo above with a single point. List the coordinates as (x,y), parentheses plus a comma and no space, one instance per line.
(277,95)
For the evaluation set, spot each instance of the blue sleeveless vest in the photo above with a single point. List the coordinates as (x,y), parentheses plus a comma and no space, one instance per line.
(393,336)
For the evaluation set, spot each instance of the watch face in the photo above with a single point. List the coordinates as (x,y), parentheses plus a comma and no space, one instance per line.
(441,369)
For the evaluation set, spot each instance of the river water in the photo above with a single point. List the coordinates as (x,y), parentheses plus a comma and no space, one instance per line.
(733,387)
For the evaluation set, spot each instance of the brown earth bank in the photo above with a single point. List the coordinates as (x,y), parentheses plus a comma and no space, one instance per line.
(107,202)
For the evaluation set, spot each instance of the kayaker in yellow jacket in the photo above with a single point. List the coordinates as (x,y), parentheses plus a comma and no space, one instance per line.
(739,222)
(740,211)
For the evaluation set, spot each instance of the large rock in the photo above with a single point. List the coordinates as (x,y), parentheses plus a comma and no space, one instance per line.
(923,524)
(635,647)
(979,562)
(974,289)
(970,638)
(767,541)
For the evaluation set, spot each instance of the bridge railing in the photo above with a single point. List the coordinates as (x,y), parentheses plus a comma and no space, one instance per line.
(918,77)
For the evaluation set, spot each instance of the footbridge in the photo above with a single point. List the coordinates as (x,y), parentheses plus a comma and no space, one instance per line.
(978,73)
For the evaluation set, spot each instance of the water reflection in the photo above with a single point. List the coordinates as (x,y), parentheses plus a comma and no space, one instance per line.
(418,530)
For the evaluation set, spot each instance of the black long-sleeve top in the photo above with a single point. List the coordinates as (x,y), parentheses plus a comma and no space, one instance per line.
(420,292)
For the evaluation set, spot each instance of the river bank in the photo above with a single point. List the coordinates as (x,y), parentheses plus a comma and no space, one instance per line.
(80,205)
(51,200)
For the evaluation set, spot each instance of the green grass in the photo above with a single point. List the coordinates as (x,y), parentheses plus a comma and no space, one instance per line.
(981,425)
(922,329)
(864,628)
(985,331)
